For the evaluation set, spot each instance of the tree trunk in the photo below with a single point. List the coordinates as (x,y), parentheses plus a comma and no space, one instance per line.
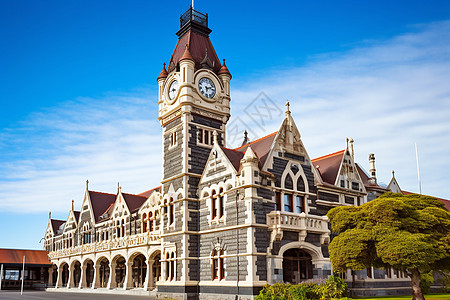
(415,285)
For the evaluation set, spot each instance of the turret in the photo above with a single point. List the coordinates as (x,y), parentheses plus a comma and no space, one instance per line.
(372,170)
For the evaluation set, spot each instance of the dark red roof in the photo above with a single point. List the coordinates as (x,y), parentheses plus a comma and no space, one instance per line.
(100,202)
(76,214)
(163,73)
(56,224)
(32,257)
(328,166)
(199,46)
(261,147)
(134,202)
(186,55)
(445,201)
(224,69)
(234,157)
(149,192)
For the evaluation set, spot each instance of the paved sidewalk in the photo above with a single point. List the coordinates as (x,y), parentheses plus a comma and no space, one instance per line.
(38,295)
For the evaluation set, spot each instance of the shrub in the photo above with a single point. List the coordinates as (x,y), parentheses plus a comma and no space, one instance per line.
(332,288)
(426,280)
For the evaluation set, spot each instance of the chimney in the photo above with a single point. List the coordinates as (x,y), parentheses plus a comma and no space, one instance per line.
(372,170)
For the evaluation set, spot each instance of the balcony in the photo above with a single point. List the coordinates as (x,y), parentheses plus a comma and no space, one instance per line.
(141,239)
(302,223)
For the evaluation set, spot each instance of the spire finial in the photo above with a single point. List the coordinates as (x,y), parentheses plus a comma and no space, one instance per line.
(87,184)
(119,188)
(288,112)
(49,214)
(72,203)
(164,65)
(215,134)
(393,173)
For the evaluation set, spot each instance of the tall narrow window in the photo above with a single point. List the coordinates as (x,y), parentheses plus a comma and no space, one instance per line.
(200,136)
(206,136)
(150,221)
(172,266)
(213,204)
(218,270)
(171,212)
(278,201)
(167,266)
(288,202)
(221,202)
(144,222)
(299,204)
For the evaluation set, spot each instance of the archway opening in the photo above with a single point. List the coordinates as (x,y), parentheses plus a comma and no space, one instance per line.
(76,273)
(54,275)
(156,269)
(104,272)
(297,266)
(89,273)
(120,271)
(65,274)
(139,271)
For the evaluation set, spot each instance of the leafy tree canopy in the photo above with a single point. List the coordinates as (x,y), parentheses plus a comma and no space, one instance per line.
(405,232)
(410,232)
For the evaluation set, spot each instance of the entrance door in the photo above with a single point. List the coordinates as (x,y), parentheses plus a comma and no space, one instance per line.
(297,266)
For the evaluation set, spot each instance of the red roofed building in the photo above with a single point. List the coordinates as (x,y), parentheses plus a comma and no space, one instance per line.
(35,262)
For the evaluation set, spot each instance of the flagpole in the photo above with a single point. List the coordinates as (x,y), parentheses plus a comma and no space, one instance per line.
(418,172)
(23,275)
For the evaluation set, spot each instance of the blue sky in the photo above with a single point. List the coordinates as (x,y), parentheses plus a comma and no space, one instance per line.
(78,91)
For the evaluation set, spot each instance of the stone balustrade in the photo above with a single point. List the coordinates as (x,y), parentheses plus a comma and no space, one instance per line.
(303,223)
(141,239)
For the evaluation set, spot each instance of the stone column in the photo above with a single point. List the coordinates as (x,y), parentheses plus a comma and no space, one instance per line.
(58,277)
(112,276)
(96,280)
(128,283)
(69,282)
(149,274)
(50,275)
(82,284)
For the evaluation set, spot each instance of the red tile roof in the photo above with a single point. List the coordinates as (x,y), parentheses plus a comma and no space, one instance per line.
(32,257)
(234,157)
(224,69)
(56,224)
(134,202)
(76,214)
(100,202)
(261,147)
(199,47)
(149,192)
(328,166)
(445,201)
(163,73)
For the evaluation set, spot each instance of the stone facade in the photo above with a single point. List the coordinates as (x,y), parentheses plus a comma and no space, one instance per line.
(224,222)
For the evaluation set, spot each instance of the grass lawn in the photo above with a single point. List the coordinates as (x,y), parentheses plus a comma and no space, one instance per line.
(428,297)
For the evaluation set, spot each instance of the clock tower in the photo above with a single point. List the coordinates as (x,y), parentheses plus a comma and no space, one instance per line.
(194,103)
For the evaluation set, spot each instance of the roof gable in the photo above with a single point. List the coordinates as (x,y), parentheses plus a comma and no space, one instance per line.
(134,202)
(328,166)
(100,203)
(56,225)
(261,147)
(221,161)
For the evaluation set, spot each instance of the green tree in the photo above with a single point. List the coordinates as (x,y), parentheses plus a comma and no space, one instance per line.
(409,232)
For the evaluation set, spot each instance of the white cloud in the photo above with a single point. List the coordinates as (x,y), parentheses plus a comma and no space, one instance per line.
(387,95)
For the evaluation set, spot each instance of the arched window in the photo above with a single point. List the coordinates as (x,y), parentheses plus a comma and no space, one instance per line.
(300,184)
(221,203)
(171,215)
(123,228)
(150,221)
(144,222)
(213,205)
(218,269)
(167,266)
(288,184)
(172,266)
(117,229)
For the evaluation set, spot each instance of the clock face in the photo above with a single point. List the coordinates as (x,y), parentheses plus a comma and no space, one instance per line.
(173,89)
(206,87)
